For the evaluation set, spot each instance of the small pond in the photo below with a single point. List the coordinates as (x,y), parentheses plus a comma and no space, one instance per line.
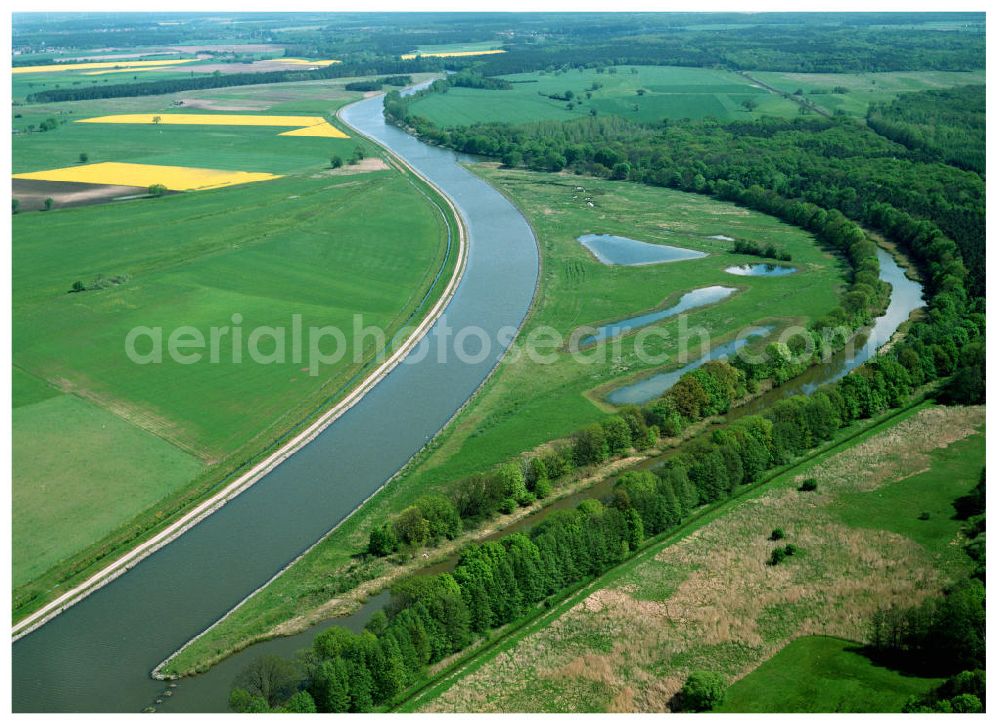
(689,300)
(613,250)
(761,269)
(649,388)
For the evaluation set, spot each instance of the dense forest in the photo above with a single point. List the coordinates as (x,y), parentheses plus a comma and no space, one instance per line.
(948,125)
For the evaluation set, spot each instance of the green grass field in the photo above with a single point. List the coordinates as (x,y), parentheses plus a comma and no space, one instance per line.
(525,403)
(902,506)
(816,674)
(122,446)
(669,92)
(705,598)
(81,471)
(862,89)
(458,47)
(242,148)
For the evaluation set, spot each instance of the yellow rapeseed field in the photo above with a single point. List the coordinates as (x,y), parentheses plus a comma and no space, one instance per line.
(123,64)
(304,125)
(455,54)
(124,70)
(304,62)
(175,178)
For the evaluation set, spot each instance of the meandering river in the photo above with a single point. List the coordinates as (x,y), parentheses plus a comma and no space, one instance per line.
(97,656)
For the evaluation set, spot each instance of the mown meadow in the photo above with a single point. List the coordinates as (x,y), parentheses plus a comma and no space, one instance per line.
(852,93)
(818,674)
(641,94)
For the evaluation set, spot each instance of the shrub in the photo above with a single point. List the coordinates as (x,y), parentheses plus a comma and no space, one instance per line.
(383,540)
(508,505)
(809,485)
(776,534)
(543,488)
(702,691)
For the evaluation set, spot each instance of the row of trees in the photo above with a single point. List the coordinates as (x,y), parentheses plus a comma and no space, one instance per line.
(377,83)
(769,251)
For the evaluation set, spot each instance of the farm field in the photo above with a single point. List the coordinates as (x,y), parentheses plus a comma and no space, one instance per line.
(668,92)
(525,403)
(707,599)
(319,243)
(174,178)
(30,79)
(858,90)
(823,675)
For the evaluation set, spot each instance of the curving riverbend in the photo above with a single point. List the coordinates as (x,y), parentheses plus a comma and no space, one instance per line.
(97,655)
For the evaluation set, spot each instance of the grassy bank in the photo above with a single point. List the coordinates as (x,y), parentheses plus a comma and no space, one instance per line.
(527,403)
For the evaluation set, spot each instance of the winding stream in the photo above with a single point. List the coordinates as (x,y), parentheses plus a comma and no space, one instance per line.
(97,655)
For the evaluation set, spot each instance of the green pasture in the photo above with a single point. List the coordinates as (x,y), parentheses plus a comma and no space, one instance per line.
(459,47)
(817,674)
(80,472)
(668,92)
(919,507)
(861,89)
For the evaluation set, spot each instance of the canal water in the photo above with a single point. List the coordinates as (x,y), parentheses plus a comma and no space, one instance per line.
(97,656)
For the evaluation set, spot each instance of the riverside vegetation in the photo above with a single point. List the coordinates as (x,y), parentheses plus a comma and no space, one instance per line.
(498,582)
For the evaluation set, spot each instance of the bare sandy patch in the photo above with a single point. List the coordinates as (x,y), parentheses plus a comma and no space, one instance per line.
(365,166)
(211,104)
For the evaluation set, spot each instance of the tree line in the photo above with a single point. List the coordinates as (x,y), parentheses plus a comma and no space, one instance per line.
(377,83)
